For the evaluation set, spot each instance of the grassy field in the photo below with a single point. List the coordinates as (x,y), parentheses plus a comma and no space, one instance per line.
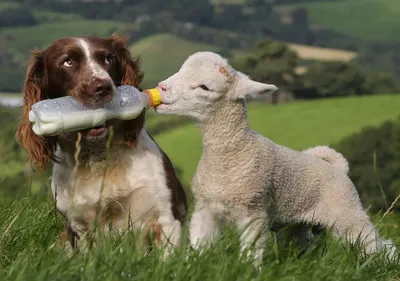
(367,19)
(7,5)
(321,54)
(10,95)
(298,125)
(159,64)
(22,39)
(29,228)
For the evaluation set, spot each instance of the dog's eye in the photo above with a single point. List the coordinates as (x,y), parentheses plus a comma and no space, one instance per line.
(204,87)
(109,58)
(67,62)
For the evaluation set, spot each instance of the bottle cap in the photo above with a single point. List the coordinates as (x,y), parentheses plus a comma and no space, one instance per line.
(155,96)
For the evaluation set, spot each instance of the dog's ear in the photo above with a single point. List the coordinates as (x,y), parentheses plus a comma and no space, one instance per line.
(40,150)
(129,67)
(130,75)
(247,88)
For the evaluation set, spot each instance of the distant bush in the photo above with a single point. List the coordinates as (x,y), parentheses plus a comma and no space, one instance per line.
(332,79)
(11,79)
(374,158)
(381,56)
(16,16)
(271,62)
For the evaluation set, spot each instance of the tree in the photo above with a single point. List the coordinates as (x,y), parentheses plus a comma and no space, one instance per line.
(300,16)
(374,159)
(331,79)
(230,17)
(261,7)
(271,62)
(199,11)
(328,79)
(16,16)
(379,83)
(11,74)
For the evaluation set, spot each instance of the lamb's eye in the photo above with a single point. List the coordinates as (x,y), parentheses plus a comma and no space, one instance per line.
(109,58)
(204,87)
(67,62)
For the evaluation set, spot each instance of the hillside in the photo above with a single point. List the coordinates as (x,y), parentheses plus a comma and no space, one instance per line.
(366,19)
(159,64)
(298,125)
(162,55)
(23,39)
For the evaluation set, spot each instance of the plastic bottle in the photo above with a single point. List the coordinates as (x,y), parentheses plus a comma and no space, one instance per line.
(54,116)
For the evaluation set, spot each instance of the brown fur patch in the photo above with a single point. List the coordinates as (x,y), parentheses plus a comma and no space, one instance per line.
(223,71)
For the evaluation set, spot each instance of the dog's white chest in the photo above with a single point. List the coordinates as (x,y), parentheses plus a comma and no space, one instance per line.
(132,177)
(93,184)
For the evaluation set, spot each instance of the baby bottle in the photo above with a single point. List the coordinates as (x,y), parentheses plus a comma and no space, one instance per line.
(54,116)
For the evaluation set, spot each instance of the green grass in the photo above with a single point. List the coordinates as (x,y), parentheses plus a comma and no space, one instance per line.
(29,228)
(367,19)
(6,5)
(298,125)
(11,95)
(159,64)
(21,40)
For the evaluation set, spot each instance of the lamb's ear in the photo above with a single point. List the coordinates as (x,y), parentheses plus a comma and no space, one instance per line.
(247,88)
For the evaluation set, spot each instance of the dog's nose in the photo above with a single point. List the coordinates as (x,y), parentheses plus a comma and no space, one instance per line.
(162,86)
(100,87)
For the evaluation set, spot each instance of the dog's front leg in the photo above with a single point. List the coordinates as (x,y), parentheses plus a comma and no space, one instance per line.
(171,233)
(70,240)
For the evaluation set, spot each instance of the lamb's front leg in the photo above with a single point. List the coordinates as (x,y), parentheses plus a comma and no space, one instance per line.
(253,236)
(203,227)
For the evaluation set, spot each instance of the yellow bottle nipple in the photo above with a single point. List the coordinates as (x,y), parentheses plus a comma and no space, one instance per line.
(155,96)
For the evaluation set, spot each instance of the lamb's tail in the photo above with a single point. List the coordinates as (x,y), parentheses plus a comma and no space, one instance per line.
(329,155)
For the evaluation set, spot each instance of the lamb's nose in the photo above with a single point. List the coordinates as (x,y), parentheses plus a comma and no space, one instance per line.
(162,86)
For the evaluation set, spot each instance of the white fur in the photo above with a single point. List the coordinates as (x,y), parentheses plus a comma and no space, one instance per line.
(97,70)
(244,177)
(330,155)
(135,185)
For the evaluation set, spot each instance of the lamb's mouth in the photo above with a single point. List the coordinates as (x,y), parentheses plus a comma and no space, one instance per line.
(163,107)
(166,103)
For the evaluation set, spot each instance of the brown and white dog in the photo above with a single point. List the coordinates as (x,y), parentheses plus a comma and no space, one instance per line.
(140,186)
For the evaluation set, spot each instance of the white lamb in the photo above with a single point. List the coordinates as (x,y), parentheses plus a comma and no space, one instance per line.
(248,180)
